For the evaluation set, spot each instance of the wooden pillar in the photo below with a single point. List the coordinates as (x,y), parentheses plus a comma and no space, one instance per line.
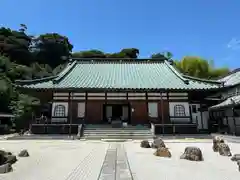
(162,112)
(201,115)
(146,97)
(168,107)
(71,114)
(69,108)
(190,113)
(86,111)
(234,120)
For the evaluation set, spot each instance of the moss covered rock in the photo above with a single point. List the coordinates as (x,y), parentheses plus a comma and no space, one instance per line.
(192,154)
(145,144)
(158,143)
(23,153)
(163,152)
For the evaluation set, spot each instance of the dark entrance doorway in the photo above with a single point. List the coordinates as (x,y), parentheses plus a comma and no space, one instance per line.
(113,112)
(117,111)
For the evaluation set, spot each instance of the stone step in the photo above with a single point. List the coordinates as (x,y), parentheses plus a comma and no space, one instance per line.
(123,135)
(91,131)
(117,137)
(107,132)
(119,129)
(116,134)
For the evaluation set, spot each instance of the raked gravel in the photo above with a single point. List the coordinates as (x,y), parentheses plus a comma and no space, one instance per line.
(82,160)
(144,165)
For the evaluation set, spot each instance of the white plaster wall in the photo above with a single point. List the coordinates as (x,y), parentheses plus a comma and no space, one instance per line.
(81,109)
(153,109)
(186,107)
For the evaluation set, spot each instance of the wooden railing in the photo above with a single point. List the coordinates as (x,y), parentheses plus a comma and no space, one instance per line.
(58,120)
(174,128)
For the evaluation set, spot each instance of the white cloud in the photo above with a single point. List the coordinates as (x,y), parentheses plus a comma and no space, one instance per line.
(234,44)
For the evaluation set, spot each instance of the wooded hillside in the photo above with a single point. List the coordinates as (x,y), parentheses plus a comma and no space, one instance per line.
(23,56)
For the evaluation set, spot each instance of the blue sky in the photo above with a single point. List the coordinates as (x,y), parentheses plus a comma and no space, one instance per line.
(206,28)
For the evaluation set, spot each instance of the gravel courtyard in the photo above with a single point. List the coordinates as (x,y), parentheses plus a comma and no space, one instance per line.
(84,160)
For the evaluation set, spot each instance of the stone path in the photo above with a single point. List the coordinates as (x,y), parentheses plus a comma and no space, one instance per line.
(115,165)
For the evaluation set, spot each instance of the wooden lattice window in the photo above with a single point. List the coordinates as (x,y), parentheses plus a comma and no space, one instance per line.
(59,111)
(179,110)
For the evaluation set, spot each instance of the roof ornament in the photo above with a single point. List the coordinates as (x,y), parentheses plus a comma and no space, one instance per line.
(171,62)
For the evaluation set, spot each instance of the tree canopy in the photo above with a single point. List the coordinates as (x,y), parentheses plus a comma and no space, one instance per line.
(23,56)
(198,67)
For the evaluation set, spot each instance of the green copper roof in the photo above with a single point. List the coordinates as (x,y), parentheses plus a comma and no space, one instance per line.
(232,79)
(232,101)
(119,75)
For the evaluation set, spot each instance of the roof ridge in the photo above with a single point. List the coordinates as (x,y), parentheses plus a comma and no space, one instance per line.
(176,72)
(117,60)
(64,72)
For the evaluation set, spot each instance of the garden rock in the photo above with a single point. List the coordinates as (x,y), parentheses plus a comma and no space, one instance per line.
(163,152)
(23,153)
(235,157)
(192,154)
(7,157)
(157,143)
(145,144)
(224,150)
(216,141)
(5,168)
(11,159)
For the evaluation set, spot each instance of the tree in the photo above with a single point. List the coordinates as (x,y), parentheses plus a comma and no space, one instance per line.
(124,53)
(89,54)
(163,55)
(6,92)
(158,56)
(130,52)
(22,107)
(49,49)
(15,45)
(199,67)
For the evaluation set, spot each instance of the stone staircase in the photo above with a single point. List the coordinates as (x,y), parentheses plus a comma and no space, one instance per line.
(108,132)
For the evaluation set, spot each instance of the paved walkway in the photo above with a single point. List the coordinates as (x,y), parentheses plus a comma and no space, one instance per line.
(115,165)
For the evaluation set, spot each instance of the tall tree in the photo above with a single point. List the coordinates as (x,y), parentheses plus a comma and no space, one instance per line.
(124,53)
(89,54)
(130,52)
(50,49)
(199,67)
(163,55)
(15,45)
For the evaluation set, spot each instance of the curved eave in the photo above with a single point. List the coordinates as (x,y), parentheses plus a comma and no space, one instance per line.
(203,80)
(33,81)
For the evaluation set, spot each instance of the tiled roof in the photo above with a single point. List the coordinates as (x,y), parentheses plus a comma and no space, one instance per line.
(232,79)
(232,101)
(119,75)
